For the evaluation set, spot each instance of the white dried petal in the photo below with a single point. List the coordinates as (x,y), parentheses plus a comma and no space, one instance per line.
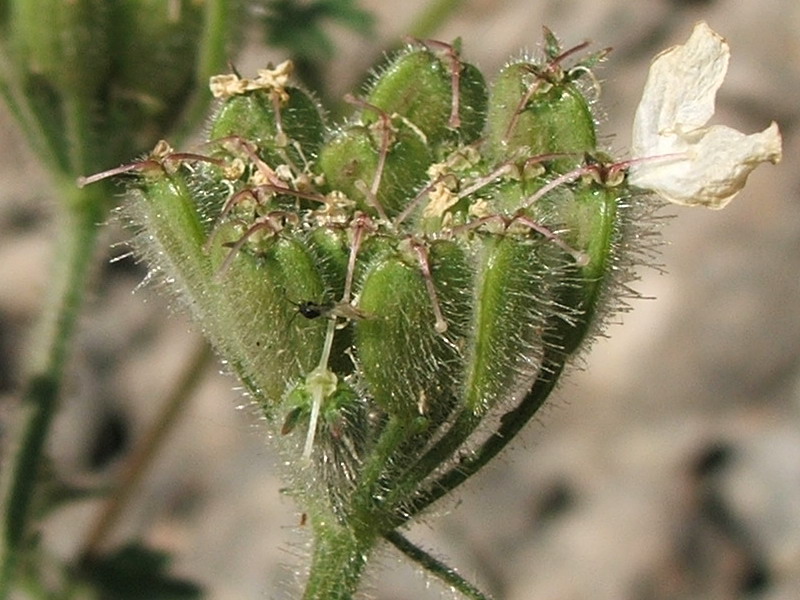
(684,161)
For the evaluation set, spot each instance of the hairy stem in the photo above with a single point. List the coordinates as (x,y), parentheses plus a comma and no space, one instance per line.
(214,50)
(511,423)
(338,561)
(434,566)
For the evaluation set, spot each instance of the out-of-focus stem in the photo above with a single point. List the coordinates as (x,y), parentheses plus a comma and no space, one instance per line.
(148,448)
(433,17)
(214,51)
(83,211)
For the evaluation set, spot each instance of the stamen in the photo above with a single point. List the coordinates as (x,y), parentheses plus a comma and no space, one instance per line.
(411,206)
(360,224)
(566,54)
(139,165)
(521,108)
(226,208)
(455,81)
(561,179)
(372,200)
(281,189)
(581,258)
(316,404)
(322,384)
(422,255)
(270,221)
(156,160)
(386,141)
(503,169)
(250,149)
(281,139)
(478,222)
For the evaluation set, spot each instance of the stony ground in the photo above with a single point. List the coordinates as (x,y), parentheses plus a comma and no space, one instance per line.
(667,469)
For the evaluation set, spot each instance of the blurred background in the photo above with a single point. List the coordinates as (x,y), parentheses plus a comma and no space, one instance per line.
(667,466)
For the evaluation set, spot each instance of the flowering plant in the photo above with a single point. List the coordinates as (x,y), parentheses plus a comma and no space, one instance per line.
(400,293)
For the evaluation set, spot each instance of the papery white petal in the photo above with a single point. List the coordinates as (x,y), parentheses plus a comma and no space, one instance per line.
(684,161)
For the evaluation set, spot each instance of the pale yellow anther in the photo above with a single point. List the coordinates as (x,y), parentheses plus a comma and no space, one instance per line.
(480,209)
(441,198)
(284,173)
(161,150)
(234,169)
(227,85)
(276,79)
(273,80)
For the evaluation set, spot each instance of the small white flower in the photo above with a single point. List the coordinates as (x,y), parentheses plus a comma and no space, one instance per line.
(684,161)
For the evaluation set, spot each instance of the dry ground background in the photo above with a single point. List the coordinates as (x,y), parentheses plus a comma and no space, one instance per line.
(668,469)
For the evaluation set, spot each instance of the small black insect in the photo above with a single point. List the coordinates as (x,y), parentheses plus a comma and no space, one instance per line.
(343,310)
(311,310)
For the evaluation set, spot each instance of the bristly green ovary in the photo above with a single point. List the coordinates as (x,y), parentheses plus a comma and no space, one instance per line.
(420,85)
(296,133)
(379,169)
(510,308)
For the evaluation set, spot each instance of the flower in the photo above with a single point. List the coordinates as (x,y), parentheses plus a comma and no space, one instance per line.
(675,154)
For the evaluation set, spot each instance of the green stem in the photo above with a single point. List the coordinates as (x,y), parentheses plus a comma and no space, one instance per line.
(510,425)
(79,228)
(435,457)
(13,93)
(341,549)
(434,566)
(338,561)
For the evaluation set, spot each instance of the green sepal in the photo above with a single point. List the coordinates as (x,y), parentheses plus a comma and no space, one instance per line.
(269,340)
(591,221)
(244,302)
(511,309)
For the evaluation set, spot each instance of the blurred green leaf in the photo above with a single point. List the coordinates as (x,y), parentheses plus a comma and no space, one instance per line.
(300,26)
(135,572)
